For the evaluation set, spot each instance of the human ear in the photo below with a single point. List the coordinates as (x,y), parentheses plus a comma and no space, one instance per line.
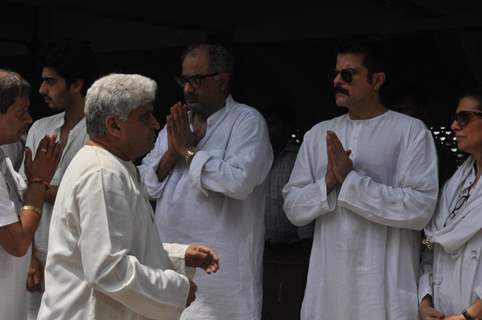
(77,85)
(225,77)
(112,126)
(379,79)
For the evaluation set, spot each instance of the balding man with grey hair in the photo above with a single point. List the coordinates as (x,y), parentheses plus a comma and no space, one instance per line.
(105,259)
(207,171)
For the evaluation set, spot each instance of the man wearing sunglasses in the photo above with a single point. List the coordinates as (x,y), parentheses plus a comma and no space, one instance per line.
(369,179)
(207,171)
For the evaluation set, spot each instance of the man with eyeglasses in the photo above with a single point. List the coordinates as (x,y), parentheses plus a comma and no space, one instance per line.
(369,179)
(207,171)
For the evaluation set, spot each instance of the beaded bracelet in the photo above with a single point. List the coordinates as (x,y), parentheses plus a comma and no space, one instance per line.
(32,208)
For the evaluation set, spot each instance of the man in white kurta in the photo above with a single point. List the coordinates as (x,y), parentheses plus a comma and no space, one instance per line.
(76,139)
(20,201)
(217,195)
(65,79)
(105,259)
(369,208)
(13,273)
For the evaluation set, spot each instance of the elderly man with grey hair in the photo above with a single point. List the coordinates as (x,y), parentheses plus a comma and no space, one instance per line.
(19,215)
(105,259)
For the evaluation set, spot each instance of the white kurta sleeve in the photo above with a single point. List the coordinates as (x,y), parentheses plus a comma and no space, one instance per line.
(305,197)
(425,279)
(8,214)
(237,169)
(177,255)
(409,205)
(149,165)
(107,234)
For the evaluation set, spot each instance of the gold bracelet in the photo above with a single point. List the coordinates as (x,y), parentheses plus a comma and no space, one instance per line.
(32,208)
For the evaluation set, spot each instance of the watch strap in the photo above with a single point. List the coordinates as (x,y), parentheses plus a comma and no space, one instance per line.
(467,315)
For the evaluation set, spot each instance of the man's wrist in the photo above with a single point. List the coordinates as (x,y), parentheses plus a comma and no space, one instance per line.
(188,154)
(172,155)
(466,315)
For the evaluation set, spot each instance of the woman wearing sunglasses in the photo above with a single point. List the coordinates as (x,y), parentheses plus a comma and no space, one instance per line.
(451,283)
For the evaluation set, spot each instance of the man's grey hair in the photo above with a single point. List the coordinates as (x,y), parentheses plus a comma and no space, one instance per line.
(118,95)
(219,59)
(12,86)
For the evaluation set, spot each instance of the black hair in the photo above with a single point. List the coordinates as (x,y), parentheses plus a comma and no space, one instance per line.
(374,55)
(475,93)
(72,59)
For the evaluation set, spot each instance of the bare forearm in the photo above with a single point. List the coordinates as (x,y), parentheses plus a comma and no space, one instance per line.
(16,238)
(167,162)
(51,193)
(475,309)
(331,183)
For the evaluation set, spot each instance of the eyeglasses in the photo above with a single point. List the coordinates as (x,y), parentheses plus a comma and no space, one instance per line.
(194,81)
(346,74)
(464,117)
(458,204)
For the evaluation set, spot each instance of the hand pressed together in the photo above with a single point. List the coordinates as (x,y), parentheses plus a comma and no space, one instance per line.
(179,134)
(339,163)
(43,167)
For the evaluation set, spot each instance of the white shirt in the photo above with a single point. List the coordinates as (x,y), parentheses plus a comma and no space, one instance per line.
(452,271)
(76,139)
(105,259)
(15,151)
(219,200)
(13,270)
(365,256)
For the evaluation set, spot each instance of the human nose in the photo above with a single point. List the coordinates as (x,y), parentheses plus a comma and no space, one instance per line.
(188,87)
(455,126)
(337,80)
(43,89)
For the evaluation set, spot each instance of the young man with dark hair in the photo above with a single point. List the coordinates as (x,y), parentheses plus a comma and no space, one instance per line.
(68,69)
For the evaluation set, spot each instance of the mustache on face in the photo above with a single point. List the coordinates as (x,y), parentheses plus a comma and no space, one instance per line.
(338,89)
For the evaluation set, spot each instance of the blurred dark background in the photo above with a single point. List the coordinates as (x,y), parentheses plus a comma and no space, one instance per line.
(283,54)
(283,51)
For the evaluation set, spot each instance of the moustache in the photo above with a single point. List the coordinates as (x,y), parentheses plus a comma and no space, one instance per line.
(339,89)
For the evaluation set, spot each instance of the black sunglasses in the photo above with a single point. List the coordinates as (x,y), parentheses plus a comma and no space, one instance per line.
(464,117)
(458,204)
(346,74)
(194,81)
